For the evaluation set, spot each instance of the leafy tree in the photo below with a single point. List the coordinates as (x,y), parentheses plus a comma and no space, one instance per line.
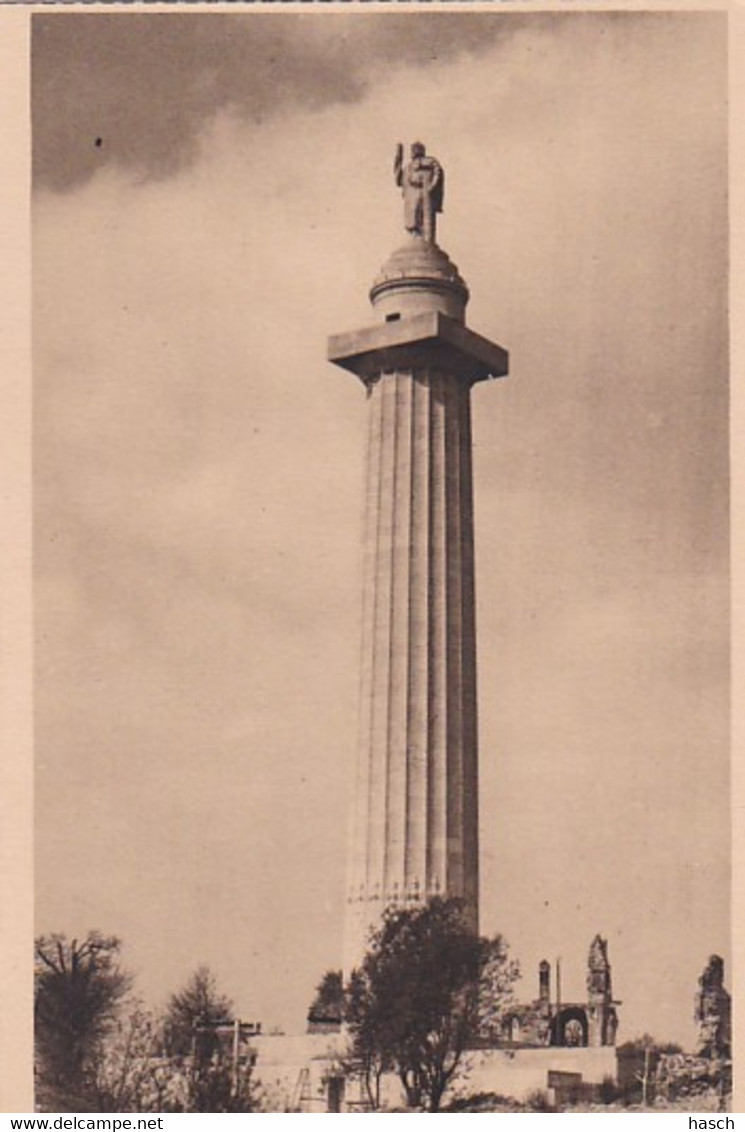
(203,1074)
(328,1004)
(96,1055)
(219,1085)
(646,1041)
(638,1061)
(131,1075)
(78,988)
(190,1014)
(368,1056)
(416,1003)
(134,1075)
(497,980)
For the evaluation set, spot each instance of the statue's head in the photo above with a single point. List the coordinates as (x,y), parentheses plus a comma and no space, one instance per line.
(418,149)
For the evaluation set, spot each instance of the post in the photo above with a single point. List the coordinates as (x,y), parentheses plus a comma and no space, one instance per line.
(236,1046)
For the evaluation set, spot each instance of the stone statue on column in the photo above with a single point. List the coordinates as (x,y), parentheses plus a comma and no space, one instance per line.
(422,183)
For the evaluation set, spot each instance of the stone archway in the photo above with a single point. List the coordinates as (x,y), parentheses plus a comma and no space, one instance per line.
(570,1027)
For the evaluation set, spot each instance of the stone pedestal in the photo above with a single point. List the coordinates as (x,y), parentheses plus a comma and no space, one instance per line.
(415,822)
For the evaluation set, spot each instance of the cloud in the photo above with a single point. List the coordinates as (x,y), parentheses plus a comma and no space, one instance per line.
(136,90)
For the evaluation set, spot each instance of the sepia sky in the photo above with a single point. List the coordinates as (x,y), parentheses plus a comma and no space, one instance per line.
(213,197)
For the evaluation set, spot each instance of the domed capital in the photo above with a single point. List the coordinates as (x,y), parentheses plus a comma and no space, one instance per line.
(419,277)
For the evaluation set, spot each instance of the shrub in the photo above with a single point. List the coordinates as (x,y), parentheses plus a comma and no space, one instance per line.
(538,1101)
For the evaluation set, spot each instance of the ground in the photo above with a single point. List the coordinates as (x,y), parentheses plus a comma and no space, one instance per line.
(709,1102)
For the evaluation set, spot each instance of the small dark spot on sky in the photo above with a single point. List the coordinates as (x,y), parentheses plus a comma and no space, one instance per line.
(99,143)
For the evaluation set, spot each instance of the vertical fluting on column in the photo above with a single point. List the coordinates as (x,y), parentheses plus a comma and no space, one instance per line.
(419,631)
(360,813)
(469,681)
(382,580)
(398,668)
(438,674)
(454,639)
(416,781)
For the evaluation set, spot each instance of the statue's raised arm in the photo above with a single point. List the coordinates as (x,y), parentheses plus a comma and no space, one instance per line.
(422,183)
(398,165)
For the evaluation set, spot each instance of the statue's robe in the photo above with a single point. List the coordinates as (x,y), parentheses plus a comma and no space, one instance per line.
(423,193)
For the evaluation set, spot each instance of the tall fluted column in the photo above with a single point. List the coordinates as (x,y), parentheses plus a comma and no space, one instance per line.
(415,816)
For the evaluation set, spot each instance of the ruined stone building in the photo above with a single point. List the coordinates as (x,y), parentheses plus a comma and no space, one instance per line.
(530,1025)
(544,1022)
(713,1011)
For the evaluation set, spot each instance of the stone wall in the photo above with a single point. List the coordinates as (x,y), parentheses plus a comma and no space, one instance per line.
(516,1073)
(294,1071)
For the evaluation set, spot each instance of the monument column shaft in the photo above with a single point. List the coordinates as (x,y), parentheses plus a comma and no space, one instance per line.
(415,822)
(415,815)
